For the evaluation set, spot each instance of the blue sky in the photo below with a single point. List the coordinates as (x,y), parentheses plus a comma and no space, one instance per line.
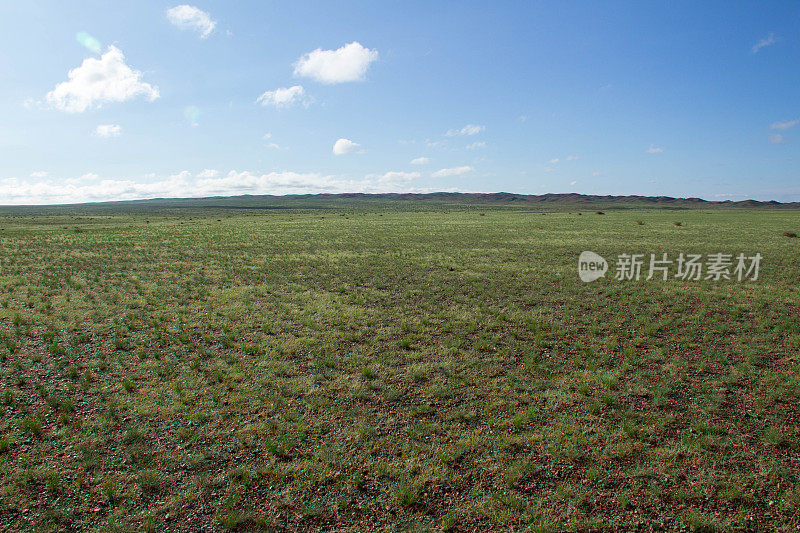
(217,98)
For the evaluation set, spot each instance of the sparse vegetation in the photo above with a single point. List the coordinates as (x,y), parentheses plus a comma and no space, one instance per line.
(296,370)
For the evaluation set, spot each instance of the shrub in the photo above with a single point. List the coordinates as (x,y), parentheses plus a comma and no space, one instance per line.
(5,443)
(109,488)
(32,425)
(775,436)
(407,493)
(150,482)
(128,385)
(57,349)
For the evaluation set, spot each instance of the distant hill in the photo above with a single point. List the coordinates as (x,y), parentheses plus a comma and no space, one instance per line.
(396,201)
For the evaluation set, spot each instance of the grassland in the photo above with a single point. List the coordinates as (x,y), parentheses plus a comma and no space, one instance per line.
(394,370)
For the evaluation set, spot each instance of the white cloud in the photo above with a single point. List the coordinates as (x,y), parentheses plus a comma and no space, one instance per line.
(573,183)
(395,177)
(777,138)
(454,171)
(469,129)
(348,63)
(108,130)
(766,41)
(100,81)
(420,161)
(188,17)
(90,188)
(476,145)
(284,97)
(554,161)
(654,150)
(208,173)
(346,146)
(89,176)
(272,145)
(572,158)
(39,174)
(785,125)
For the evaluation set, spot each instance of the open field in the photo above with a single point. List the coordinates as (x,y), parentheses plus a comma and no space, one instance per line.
(434,369)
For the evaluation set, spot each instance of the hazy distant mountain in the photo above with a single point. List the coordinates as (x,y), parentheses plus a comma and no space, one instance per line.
(437,199)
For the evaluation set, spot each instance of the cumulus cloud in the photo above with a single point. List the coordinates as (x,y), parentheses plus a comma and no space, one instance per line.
(284,97)
(476,145)
(420,161)
(394,177)
(348,63)
(785,125)
(188,17)
(108,130)
(90,188)
(769,40)
(469,129)
(100,81)
(777,138)
(454,171)
(654,150)
(346,146)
